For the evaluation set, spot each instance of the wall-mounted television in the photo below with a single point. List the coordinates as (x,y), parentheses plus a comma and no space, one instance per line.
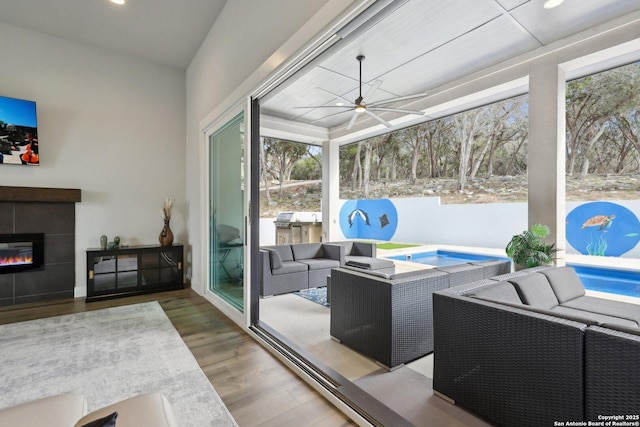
(18,132)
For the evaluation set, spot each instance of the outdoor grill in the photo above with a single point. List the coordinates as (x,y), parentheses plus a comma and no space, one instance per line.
(298,227)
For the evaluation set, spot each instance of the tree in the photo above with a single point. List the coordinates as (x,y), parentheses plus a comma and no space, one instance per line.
(468,126)
(281,156)
(629,127)
(593,101)
(264,172)
(415,138)
(356,174)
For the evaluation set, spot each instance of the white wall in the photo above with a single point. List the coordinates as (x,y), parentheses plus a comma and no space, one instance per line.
(491,225)
(248,41)
(110,125)
(482,225)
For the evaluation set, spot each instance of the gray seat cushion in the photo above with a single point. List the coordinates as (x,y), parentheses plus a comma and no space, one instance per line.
(355,258)
(302,251)
(626,329)
(348,247)
(320,263)
(598,317)
(284,251)
(369,263)
(363,249)
(498,292)
(607,307)
(290,267)
(565,283)
(275,261)
(534,289)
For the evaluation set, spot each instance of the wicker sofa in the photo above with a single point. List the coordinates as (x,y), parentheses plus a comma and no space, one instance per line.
(530,348)
(290,268)
(388,317)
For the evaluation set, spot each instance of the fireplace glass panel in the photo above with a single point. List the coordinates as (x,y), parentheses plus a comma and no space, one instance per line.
(20,252)
(17,253)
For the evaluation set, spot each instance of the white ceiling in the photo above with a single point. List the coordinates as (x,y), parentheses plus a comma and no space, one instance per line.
(426,43)
(166,32)
(421,45)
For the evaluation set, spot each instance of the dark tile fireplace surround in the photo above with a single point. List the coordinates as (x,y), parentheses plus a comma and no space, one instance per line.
(40,210)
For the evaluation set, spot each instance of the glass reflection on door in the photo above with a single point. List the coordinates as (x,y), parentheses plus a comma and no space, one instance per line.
(226,212)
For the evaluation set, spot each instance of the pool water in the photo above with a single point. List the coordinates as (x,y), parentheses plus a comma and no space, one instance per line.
(441,258)
(623,282)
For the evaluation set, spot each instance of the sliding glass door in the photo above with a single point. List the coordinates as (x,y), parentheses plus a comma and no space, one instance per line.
(227,212)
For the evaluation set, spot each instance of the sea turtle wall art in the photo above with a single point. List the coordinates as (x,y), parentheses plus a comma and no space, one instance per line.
(602,229)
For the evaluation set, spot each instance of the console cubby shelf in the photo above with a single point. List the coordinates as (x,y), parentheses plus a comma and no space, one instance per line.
(113,273)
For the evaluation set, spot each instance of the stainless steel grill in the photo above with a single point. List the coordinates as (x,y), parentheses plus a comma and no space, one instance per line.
(298,227)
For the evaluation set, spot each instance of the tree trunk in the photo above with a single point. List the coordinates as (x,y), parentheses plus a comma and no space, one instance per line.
(468,126)
(481,156)
(366,170)
(263,171)
(585,169)
(356,173)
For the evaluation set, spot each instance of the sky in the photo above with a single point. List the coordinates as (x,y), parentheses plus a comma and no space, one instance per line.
(18,112)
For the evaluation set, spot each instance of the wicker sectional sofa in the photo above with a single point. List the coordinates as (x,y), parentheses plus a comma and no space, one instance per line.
(290,268)
(388,317)
(530,348)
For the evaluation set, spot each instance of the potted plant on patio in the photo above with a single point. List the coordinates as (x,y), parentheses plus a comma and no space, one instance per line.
(528,249)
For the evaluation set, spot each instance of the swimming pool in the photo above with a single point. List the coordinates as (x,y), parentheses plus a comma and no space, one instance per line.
(615,281)
(441,258)
(622,282)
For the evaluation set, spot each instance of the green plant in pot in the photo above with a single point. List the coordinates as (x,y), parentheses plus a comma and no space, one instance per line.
(528,249)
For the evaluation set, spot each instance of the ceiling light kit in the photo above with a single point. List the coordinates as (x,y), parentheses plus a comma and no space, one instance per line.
(118,2)
(550,4)
(358,106)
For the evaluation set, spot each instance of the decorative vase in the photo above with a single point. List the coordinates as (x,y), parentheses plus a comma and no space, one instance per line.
(103,242)
(166,235)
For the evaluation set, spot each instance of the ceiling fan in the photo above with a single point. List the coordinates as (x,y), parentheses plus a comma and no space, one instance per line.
(359,106)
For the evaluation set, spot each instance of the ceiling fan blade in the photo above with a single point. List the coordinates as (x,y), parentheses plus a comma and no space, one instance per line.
(397,110)
(347,107)
(373,89)
(338,96)
(399,98)
(353,120)
(378,118)
(330,115)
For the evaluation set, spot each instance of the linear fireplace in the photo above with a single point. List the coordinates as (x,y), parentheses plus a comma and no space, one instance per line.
(20,252)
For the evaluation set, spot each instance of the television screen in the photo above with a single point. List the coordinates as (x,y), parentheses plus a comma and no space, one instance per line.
(18,132)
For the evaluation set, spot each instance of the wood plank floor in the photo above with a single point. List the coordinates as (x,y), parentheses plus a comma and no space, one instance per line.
(253,384)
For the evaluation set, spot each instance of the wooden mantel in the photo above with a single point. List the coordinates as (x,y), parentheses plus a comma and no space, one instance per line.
(36,194)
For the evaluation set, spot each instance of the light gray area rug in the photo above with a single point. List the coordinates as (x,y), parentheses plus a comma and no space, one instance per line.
(107,355)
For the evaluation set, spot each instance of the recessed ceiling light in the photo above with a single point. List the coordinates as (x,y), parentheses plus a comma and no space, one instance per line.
(550,4)
(120,2)
(339,104)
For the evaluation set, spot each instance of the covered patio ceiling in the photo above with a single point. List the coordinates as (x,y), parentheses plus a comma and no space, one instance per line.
(414,46)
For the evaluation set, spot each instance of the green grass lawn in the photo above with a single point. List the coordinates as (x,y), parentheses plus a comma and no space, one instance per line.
(389,245)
